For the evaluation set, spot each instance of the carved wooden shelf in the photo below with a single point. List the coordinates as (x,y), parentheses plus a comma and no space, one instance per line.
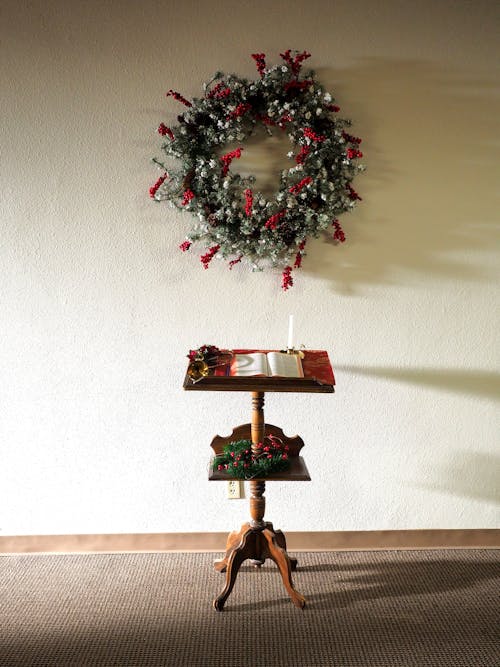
(297,472)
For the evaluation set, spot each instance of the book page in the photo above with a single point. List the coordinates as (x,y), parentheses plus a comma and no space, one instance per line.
(285,365)
(245,365)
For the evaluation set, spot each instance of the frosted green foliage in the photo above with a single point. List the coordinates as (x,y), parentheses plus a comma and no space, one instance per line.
(323,163)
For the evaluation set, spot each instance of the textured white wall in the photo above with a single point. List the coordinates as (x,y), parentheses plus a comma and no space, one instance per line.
(99,307)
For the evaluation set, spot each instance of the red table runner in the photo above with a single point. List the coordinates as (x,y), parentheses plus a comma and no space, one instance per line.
(316,364)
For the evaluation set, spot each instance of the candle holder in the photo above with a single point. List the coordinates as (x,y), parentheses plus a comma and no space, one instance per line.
(293,350)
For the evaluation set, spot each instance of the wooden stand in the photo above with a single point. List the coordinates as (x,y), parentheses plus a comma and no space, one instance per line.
(257,540)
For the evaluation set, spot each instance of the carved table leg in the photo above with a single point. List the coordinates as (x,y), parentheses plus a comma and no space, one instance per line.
(280,557)
(257,544)
(281,542)
(233,541)
(245,549)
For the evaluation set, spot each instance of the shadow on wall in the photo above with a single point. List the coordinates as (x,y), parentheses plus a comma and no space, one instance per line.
(428,203)
(473,475)
(453,476)
(474,382)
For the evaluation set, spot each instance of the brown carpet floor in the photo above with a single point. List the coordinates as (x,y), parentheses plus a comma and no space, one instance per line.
(364,609)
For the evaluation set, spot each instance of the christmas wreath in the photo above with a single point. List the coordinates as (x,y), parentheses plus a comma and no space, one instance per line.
(232,220)
(242,460)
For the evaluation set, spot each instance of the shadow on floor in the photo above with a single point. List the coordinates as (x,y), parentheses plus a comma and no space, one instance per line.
(365,609)
(401,579)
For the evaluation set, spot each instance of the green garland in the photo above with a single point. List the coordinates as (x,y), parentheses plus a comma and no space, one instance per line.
(238,460)
(233,221)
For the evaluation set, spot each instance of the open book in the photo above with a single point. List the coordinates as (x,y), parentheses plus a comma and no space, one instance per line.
(270,364)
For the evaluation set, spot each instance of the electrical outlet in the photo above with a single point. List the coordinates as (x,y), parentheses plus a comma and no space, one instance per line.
(234,489)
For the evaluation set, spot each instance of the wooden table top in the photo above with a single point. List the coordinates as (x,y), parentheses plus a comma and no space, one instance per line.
(258,383)
(212,383)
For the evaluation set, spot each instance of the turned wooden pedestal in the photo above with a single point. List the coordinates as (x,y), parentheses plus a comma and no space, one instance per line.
(257,540)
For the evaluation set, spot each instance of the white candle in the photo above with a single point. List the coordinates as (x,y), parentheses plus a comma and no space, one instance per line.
(290,332)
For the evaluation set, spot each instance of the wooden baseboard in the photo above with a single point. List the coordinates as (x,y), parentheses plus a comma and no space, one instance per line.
(216,542)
